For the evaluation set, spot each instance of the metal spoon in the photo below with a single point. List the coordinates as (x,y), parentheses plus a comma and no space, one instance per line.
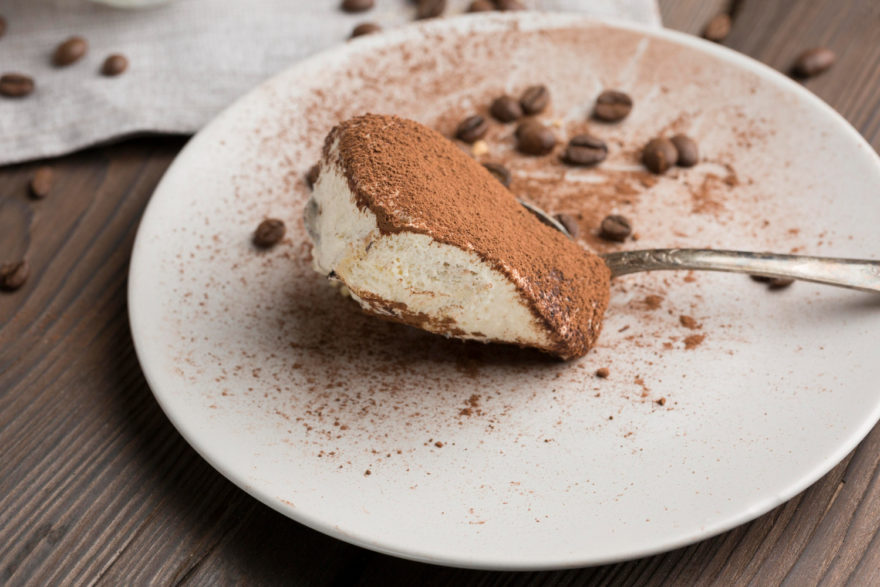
(863,275)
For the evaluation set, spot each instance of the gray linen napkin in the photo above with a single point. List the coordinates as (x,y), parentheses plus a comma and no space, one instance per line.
(188,60)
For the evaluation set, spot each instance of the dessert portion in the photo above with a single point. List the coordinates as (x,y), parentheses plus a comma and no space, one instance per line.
(420,233)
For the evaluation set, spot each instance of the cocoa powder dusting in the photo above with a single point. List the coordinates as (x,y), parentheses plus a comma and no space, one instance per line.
(415,180)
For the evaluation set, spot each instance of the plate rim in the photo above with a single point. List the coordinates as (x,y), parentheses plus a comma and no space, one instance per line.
(461,25)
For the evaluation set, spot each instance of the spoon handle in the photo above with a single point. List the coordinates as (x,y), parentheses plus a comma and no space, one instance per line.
(857,274)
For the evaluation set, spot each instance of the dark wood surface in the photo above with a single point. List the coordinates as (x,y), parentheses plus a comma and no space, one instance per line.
(96,486)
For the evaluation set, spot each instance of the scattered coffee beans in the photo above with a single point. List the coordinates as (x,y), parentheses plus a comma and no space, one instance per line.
(612,106)
(472,128)
(41,183)
(688,153)
(718,28)
(269,232)
(659,155)
(585,150)
(356,5)
(312,175)
(505,109)
(509,5)
(615,228)
(813,62)
(533,138)
(114,65)
(70,51)
(430,8)
(500,172)
(535,99)
(14,275)
(570,223)
(481,6)
(16,85)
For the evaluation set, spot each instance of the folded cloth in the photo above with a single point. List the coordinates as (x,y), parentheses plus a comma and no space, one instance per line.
(188,60)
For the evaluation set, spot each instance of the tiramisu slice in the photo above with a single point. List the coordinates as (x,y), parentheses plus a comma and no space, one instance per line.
(422,234)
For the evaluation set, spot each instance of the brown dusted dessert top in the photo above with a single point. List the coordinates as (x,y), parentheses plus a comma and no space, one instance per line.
(415,180)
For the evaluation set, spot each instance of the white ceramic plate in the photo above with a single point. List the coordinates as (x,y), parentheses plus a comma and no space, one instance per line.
(482,456)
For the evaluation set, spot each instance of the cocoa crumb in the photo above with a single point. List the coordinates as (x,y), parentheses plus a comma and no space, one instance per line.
(693,341)
(689,322)
(661,401)
(438,444)
(367,473)
(653,301)
(603,372)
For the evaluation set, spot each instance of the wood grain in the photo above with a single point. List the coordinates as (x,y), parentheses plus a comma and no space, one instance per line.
(96,487)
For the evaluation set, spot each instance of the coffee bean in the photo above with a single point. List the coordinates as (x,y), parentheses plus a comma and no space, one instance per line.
(430,8)
(269,232)
(481,6)
(535,99)
(612,106)
(779,282)
(472,128)
(70,51)
(813,62)
(312,175)
(659,155)
(718,28)
(41,182)
(13,275)
(500,172)
(615,228)
(505,109)
(773,282)
(585,150)
(688,153)
(2,26)
(509,5)
(114,65)
(570,223)
(533,138)
(16,85)
(356,5)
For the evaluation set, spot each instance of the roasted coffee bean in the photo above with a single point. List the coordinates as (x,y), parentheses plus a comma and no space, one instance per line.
(533,138)
(357,5)
(365,28)
(659,155)
(41,182)
(535,99)
(2,26)
(114,65)
(615,228)
(430,8)
(779,282)
(505,109)
(773,282)
(269,232)
(16,85)
(718,28)
(813,62)
(70,51)
(509,5)
(688,153)
(13,275)
(585,150)
(472,128)
(500,172)
(612,106)
(570,223)
(481,6)
(312,175)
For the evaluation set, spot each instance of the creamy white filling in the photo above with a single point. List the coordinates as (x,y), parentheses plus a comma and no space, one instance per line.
(452,287)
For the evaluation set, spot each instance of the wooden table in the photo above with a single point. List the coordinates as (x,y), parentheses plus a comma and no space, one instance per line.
(96,486)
